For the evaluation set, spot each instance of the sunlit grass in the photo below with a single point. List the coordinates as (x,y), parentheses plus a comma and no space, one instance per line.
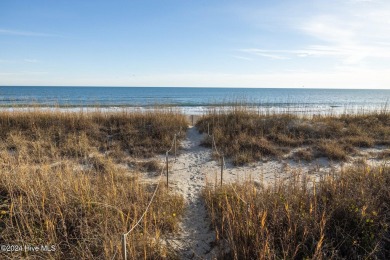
(345,216)
(62,183)
(245,135)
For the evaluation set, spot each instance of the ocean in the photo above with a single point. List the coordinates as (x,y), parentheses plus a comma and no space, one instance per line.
(196,100)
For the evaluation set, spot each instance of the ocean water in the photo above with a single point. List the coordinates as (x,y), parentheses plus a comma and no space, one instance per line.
(196,100)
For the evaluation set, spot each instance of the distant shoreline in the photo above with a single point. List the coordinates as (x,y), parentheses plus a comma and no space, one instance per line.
(201,110)
(194,100)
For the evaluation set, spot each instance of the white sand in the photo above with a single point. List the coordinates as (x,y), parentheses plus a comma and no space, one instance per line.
(188,177)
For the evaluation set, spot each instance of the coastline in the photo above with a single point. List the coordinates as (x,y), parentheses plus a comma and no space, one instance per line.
(202,110)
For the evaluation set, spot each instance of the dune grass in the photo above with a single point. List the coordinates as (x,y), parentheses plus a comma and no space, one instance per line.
(345,216)
(51,135)
(63,183)
(245,135)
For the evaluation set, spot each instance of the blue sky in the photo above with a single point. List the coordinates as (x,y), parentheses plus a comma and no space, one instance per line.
(316,43)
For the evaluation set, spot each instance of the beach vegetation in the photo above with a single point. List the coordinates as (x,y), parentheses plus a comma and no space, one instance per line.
(65,182)
(341,216)
(246,135)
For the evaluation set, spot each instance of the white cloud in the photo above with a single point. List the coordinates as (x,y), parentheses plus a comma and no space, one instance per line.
(355,32)
(346,54)
(26,33)
(328,29)
(19,61)
(347,41)
(266,54)
(352,32)
(241,57)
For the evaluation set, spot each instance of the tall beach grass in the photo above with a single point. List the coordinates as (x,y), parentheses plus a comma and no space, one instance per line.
(343,216)
(64,183)
(247,135)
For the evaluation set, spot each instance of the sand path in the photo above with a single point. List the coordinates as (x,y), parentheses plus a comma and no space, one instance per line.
(188,177)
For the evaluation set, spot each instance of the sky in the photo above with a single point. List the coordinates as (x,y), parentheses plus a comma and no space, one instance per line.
(196,43)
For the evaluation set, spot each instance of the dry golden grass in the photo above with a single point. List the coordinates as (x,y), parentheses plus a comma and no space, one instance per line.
(384,155)
(52,135)
(245,135)
(83,213)
(346,216)
(61,183)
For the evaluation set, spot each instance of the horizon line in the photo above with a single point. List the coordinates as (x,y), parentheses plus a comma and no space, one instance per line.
(117,86)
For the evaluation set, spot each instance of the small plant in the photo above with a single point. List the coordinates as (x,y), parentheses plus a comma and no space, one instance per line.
(149,166)
(304,154)
(332,150)
(384,154)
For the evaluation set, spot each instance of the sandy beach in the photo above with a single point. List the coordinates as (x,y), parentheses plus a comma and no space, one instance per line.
(94,156)
(195,130)
(195,167)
